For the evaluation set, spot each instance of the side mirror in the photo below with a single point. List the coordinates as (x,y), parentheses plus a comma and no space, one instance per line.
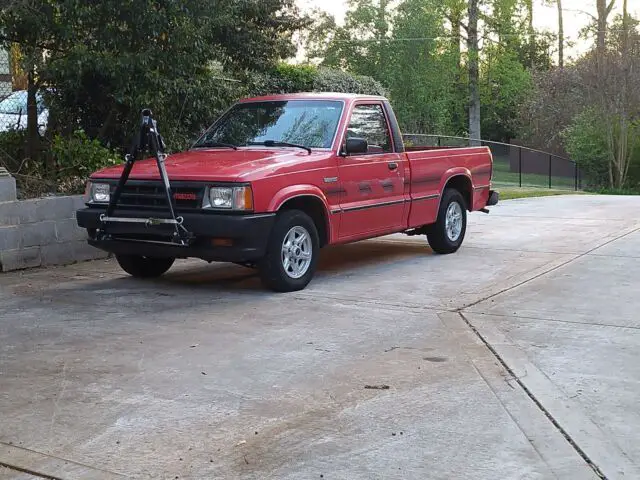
(356,146)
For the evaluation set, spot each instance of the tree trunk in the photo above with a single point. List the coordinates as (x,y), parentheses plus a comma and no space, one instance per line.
(560,35)
(32,118)
(381,29)
(611,143)
(625,27)
(623,141)
(456,20)
(602,26)
(604,10)
(474,73)
(459,118)
(532,37)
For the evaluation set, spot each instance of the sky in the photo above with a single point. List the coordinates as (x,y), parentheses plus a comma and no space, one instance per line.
(545,17)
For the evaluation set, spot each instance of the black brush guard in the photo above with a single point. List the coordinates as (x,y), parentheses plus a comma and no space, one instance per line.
(148,139)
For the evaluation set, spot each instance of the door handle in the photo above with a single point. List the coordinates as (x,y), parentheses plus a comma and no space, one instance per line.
(393,165)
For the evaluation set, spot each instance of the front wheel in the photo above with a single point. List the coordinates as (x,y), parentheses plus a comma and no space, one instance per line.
(447,234)
(144,267)
(292,253)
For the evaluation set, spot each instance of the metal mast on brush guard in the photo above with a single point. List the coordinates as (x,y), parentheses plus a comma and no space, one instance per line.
(148,139)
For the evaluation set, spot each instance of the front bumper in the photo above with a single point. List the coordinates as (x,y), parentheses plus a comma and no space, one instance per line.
(238,237)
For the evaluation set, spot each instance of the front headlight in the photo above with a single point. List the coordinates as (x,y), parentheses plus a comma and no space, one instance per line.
(99,192)
(229,198)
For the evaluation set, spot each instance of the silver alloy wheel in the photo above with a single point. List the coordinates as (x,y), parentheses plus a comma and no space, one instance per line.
(297,250)
(453,221)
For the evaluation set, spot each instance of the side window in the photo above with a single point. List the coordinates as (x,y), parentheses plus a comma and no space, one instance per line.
(368,122)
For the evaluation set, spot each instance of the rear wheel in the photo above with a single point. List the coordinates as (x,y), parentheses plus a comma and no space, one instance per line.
(144,267)
(292,253)
(447,234)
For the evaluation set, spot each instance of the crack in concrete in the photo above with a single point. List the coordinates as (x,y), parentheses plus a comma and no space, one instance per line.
(28,471)
(32,461)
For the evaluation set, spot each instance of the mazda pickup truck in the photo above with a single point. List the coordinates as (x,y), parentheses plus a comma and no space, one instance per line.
(277,178)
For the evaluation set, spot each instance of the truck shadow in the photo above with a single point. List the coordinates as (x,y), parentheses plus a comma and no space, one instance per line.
(337,260)
(191,286)
(197,283)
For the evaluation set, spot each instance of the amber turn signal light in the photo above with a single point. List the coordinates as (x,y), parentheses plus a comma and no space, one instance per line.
(222,242)
(243,198)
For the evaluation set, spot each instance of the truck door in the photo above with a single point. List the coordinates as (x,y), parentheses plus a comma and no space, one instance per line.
(373,197)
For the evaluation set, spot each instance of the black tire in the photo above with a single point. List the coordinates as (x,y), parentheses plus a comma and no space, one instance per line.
(271,267)
(438,238)
(144,267)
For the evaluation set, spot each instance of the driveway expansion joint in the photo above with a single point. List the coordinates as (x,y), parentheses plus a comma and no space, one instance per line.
(522,385)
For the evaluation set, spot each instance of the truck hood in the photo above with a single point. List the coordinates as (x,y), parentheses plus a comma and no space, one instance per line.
(213,165)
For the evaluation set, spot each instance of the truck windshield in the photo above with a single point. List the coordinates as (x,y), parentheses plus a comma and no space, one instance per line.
(311,123)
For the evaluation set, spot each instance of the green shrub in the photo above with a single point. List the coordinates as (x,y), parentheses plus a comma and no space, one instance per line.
(306,78)
(586,141)
(12,149)
(616,191)
(30,175)
(332,80)
(586,144)
(76,157)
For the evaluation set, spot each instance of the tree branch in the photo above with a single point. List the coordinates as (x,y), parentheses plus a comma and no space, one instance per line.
(580,11)
(610,6)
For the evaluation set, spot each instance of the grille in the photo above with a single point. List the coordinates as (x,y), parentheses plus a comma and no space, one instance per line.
(152,195)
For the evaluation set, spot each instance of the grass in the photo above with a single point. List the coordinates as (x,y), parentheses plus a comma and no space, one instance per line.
(502,175)
(511,193)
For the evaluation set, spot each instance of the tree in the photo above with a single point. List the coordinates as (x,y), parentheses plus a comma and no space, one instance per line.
(560,35)
(413,47)
(361,45)
(423,76)
(611,91)
(32,24)
(317,39)
(108,59)
(504,88)
(453,11)
(625,26)
(473,51)
(560,38)
(604,9)
(555,100)
(408,50)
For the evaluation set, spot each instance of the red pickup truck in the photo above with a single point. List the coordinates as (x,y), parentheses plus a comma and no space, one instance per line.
(276,178)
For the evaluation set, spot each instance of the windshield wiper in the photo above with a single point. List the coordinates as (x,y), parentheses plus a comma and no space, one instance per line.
(274,143)
(216,144)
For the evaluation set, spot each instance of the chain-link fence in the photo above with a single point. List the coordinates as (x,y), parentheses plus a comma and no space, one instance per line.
(515,166)
(8,102)
(13,130)
(13,99)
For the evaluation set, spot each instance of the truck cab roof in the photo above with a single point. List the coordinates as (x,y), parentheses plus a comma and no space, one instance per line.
(313,96)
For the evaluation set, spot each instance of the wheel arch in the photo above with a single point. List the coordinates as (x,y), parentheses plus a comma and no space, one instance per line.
(316,208)
(462,183)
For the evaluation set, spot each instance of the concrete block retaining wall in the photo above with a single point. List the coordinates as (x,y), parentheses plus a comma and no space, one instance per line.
(42,232)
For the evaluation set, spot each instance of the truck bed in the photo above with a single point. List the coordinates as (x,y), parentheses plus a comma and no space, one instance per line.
(431,167)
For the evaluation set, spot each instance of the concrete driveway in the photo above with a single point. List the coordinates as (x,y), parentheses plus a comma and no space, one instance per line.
(516,358)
